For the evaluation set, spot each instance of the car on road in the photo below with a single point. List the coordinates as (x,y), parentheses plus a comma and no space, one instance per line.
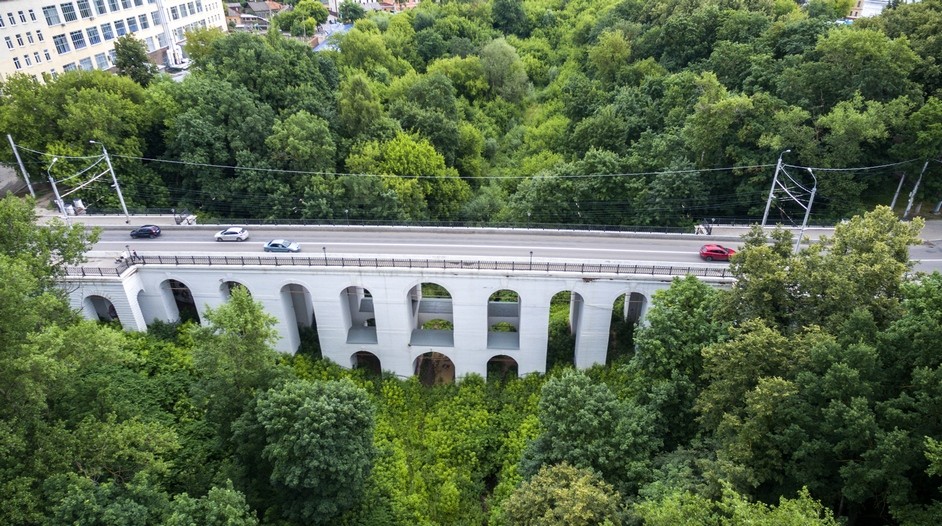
(150,231)
(282,245)
(233,233)
(716,252)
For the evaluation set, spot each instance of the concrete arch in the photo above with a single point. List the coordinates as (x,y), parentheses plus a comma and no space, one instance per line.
(503,320)
(428,301)
(178,300)
(226,286)
(627,310)
(434,368)
(99,308)
(298,306)
(367,360)
(502,367)
(357,310)
(565,316)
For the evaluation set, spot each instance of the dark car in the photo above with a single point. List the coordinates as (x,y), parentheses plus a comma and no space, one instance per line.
(716,252)
(282,245)
(150,231)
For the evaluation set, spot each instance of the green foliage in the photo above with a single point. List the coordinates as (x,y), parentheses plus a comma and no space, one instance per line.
(131,60)
(563,495)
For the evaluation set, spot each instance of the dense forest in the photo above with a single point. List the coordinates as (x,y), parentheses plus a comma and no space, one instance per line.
(809,392)
(616,112)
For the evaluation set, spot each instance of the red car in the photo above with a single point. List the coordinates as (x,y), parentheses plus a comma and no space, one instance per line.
(716,252)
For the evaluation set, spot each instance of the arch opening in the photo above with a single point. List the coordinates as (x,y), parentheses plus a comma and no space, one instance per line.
(226,287)
(431,310)
(359,315)
(501,368)
(433,368)
(564,317)
(367,361)
(179,301)
(299,307)
(100,308)
(626,313)
(503,320)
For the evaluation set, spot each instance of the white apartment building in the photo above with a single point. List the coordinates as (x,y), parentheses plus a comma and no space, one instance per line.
(47,37)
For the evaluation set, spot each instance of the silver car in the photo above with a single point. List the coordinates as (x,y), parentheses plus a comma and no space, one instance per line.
(233,233)
(282,245)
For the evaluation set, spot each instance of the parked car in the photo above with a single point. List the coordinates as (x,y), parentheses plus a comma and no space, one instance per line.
(716,252)
(150,231)
(282,245)
(233,233)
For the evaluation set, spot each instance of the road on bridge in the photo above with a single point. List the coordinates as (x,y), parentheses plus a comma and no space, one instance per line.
(433,243)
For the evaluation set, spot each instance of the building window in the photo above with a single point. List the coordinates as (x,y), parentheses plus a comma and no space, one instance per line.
(85,10)
(2,23)
(174,14)
(86,64)
(53,73)
(29,61)
(119,28)
(32,15)
(144,23)
(161,40)
(22,16)
(199,6)
(94,37)
(106,31)
(100,7)
(47,54)
(62,44)
(149,42)
(78,39)
(112,56)
(29,37)
(16,62)
(11,18)
(126,4)
(138,2)
(102,61)
(113,4)
(68,12)
(69,67)
(9,42)
(19,40)
(39,35)
(192,9)
(38,58)
(132,24)
(51,14)
(155,18)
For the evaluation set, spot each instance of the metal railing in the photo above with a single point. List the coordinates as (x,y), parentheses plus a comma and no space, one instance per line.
(406,263)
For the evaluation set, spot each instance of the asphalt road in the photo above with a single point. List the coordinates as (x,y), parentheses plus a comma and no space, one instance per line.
(435,243)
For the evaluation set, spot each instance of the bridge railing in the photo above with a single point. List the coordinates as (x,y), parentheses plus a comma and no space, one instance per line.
(409,263)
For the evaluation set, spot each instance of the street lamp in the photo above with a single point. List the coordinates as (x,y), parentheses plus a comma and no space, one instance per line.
(325,255)
(115,179)
(814,190)
(531,260)
(778,168)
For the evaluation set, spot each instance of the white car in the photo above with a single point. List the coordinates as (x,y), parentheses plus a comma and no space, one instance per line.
(233,233)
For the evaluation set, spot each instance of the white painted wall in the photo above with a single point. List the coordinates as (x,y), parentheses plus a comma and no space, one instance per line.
(140,296)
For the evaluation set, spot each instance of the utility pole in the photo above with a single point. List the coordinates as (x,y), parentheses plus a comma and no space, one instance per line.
(768,204)
(55,190)
(804,223)
(912,195)
(22,168)
(127,216)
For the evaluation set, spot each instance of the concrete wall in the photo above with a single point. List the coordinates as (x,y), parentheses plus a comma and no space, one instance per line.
(143,294)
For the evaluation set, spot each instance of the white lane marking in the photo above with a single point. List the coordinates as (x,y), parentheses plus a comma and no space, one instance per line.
(427,245)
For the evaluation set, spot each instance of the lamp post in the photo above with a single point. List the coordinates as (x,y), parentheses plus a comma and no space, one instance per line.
(531,260)
(768,204)
(104,151)
(804,223)
(325,255)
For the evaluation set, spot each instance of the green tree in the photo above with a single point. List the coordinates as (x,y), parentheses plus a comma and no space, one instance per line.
(223,506)
(302,142)
(510,17)
(351,11)
(131,60)
(504,70)
(563,495)
(585,424)
(318,439)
